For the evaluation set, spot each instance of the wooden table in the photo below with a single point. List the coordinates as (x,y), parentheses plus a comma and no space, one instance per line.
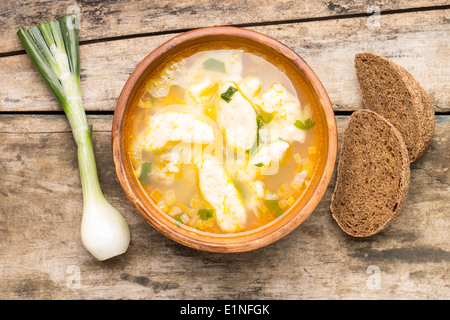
(41,255)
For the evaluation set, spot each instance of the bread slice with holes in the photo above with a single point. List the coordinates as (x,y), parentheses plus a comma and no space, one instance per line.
(391,91)
(372,175)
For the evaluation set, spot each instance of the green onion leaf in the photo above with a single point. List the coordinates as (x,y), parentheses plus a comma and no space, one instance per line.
(178,220)
(54,50)
(240,186)
(144,175)
(259,124)
(70,36)
(274,207)
(228,94)
(254,147)
(258,140)
(264,117)
(308,124)
(42,65)
(259,164)
(214,65)
(205,214)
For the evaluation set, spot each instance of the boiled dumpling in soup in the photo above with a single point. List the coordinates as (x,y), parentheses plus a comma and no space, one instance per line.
(236,117)
(223,140)
(176,126)
(218,189)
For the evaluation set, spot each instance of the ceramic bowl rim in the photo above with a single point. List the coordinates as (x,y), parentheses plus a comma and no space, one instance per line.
(233,242)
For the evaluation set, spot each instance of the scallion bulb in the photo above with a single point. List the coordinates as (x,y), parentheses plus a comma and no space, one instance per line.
(104,231)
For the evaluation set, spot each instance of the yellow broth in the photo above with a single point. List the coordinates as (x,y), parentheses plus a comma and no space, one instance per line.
(192,81)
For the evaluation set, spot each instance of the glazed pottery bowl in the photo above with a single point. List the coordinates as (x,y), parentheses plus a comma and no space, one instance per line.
(234,242)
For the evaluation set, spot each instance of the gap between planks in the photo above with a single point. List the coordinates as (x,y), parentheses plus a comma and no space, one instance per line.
(57,123)
(414,40)
(249,24)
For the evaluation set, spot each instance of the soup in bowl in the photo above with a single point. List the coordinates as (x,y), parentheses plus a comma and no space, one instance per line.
(224,139)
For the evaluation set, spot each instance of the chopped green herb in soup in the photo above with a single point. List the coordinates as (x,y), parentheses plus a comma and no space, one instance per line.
(223,140)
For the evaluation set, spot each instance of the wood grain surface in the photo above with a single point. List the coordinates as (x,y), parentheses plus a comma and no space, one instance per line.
(41,255)
(417,41)
(118,19)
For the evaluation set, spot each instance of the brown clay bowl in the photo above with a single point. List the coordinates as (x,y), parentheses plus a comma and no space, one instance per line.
(243,241)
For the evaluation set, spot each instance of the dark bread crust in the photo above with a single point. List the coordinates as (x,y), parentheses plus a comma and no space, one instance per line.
(372,175)
(391,91)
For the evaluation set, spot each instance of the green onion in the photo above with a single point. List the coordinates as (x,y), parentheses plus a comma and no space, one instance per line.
(254,147)
(259,164)
(308,124)
(214,65)
(144,175)
(54,50)
(178,220)
(228,94)
(274,207)
(264,117)
(205,214)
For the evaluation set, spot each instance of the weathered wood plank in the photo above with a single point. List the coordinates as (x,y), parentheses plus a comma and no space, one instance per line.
(107,19)
(41,256)
(417,41)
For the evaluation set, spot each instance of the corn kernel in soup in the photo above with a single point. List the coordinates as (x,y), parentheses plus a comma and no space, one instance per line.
(223,140)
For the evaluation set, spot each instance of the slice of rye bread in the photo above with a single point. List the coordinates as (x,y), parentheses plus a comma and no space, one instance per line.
(391,91)
(372,175)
